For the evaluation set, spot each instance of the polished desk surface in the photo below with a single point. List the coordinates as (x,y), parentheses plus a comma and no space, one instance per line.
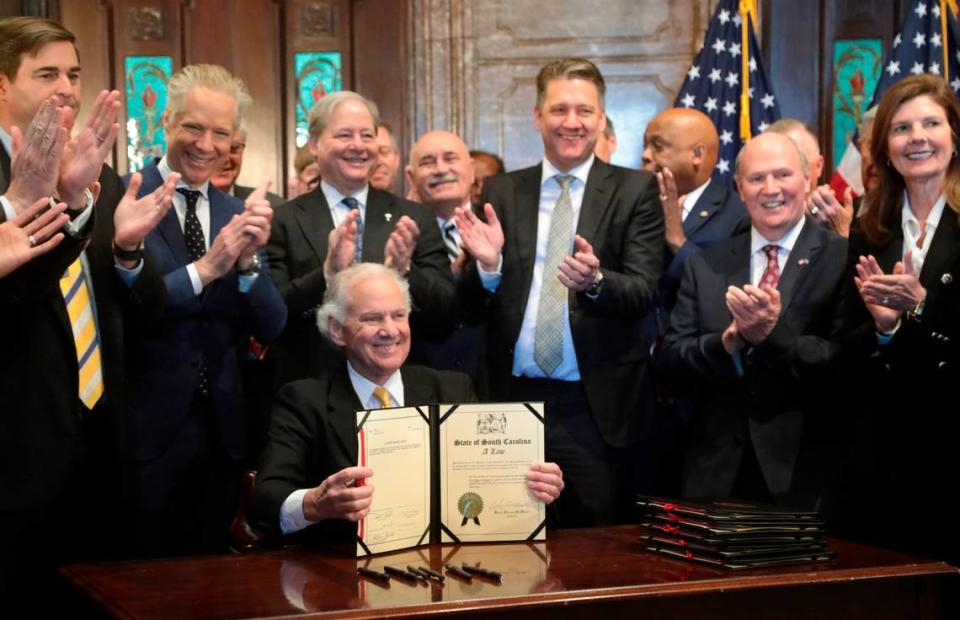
(573,567)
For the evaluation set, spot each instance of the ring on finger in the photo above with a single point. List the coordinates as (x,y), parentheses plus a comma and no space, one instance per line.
(885,301)
(663,196)
(32,241)
(814,210)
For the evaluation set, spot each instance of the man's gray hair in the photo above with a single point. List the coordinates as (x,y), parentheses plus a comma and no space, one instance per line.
(213,77)
(804,164)
(324,108)
(338,292)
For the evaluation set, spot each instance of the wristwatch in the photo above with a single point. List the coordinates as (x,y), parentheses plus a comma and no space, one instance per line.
(596,288)
(253,269)
(134,254)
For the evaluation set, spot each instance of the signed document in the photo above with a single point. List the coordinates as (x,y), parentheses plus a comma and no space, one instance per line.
(450,473)
(485,452)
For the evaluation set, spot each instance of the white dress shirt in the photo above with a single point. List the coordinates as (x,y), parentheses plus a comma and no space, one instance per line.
(758,258)
(691,199)
(912,232)
(338,210)
(291,511)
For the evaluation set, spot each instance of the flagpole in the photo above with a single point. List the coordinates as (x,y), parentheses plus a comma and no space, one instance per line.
(944,4)
(747,8)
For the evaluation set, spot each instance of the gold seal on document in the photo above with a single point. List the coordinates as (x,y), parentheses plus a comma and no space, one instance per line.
(470,506)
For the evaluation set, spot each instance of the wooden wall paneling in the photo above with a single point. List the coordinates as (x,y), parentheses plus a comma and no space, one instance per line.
(244,37)
(852,19)
(792,48)
(90,21)
(379,61)
(306,28)
(143,28)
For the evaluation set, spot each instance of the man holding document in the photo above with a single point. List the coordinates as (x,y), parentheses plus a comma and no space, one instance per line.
(309,478)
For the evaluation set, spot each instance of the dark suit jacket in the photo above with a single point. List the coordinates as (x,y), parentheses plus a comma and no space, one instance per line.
(41,435)
(313,434)
(717,216)
(242,191)
(298,247)
(780,397)
(193,328)
(622,219)
(904,393)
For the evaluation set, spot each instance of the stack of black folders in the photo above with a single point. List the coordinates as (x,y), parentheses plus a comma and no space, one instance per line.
(732,534)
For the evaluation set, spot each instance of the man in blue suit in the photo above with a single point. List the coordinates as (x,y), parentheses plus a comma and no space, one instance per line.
(188,424)
(680,146)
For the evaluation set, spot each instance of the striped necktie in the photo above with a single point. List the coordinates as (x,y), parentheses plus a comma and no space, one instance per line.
(450,241)
(73,285)
(352,203)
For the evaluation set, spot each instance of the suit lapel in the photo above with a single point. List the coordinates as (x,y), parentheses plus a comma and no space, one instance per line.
(524,216)
(415,392)
(799,264)
(705,208)
(4,169)
(169,227)
(738,269)
(219,214)
(378,224)
(944,247)
(342,402)
(315,221)
(596,200)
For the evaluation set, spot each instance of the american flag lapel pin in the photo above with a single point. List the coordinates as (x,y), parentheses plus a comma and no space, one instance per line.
(803,262)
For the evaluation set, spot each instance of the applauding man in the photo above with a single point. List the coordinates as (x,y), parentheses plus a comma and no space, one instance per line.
(69,292)
(344,221)
(752,338)
(188,420)
(568,260)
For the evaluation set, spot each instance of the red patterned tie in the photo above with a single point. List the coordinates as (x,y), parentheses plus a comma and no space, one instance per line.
(771,275)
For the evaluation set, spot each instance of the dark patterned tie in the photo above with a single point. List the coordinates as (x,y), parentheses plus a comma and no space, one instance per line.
(353,204)
(548,335)
(771,274)
(449,240)
(196,248)
(192,231)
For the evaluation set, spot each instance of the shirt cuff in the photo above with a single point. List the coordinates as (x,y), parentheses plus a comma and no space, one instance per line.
(8,209)
(884,339)
(246,282)
(80,220)
(129,276)
(491,279)
(194,279)
(291,513)
(737,363)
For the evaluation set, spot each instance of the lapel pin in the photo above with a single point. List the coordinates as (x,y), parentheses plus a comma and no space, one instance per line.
(803,262)
(387,216)
(704,213)
(946,278)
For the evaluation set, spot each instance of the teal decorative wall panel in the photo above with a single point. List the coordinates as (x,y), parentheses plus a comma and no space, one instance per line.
(316,74)
(146,80)
(857,65)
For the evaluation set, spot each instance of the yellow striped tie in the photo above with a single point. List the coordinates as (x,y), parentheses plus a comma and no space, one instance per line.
(80,310)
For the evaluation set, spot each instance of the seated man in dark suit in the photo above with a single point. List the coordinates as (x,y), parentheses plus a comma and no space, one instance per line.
(308,470)
(347,220)
(754,347)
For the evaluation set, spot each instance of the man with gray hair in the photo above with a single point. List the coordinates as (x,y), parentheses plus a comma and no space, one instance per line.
(225,179)
(344,221)
(188,419)
(308,471)
(752,341)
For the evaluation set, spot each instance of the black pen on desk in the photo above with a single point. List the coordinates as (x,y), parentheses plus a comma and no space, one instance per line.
(372,574)
(459,572)
(399,572)
(432,573)
(483,572)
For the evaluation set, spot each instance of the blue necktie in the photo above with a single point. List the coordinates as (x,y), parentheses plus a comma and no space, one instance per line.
(353,204)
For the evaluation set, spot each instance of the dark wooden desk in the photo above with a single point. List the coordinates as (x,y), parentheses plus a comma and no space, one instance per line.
(592,573)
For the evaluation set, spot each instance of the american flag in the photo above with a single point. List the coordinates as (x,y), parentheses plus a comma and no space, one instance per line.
(918,48)
(714,84)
